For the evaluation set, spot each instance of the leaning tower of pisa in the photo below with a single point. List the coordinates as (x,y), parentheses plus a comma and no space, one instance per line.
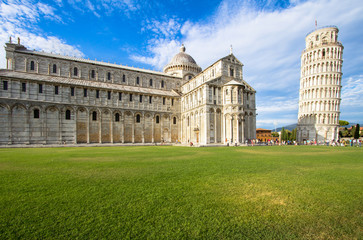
(320,86)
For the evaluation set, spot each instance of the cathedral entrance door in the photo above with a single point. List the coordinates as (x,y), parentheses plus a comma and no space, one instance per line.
(166,135)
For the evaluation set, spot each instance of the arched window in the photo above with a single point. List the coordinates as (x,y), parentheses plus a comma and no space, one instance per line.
(137,80)
(123,78)
(231,72)
(157,120)
(75,71)
(36,113)
(117,117)
(150,99)
(68,115)
(174,120)
(32,66)
(54,68)
(163,100)
(108,76)
(93,74)
(138,118)
(151,82)
(162,83)
(94,116)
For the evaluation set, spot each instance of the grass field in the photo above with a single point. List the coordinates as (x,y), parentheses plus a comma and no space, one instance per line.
(288,192)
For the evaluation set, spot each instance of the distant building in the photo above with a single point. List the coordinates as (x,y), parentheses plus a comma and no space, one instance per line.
(52,99)
(264,135)
(320,86)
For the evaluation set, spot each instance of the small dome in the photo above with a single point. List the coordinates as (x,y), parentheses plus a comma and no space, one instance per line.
(183,60)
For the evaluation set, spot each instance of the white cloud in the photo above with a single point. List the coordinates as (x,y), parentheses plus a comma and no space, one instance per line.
(167,29)
(19,18)
(352,92)
(278,105)
(271,123)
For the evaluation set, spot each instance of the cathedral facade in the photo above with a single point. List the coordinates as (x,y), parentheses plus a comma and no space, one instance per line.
(52,99)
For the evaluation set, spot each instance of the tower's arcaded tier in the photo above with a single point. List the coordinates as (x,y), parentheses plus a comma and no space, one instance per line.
(320,86)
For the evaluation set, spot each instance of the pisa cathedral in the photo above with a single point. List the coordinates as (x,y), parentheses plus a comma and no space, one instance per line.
(320,86)
(52,99)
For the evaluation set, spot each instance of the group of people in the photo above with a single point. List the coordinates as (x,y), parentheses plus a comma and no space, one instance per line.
(348,142)
(342,143)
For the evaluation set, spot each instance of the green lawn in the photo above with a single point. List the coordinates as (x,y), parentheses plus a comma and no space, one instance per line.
(288,192)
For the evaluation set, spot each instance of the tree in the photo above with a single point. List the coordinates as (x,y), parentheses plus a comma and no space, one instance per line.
(352,131)
(275,134)
(283,134)
(287,135)
(343,123)
(356,132)
(293,137)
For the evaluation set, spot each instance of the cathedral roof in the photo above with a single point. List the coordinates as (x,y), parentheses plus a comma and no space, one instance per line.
(86,83)
(99,63)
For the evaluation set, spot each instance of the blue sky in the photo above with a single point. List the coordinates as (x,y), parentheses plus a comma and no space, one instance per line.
(267,36)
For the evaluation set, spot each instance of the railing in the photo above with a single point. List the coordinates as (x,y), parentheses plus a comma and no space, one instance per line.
(329,26)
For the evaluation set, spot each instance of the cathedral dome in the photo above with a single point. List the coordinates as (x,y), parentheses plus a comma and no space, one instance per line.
(182,61)
(182,58)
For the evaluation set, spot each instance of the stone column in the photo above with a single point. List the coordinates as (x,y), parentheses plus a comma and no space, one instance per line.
(161,129)
(100,128)
(88,117)
(242,130)
(237,120)
(231,133)
(60,126)
(170,128)
(215,126)
(223,117)
(123,127)
(206,126)
(152,129)
(143,129)
(133,128)
(180,137)
(111,126)
(75,126)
